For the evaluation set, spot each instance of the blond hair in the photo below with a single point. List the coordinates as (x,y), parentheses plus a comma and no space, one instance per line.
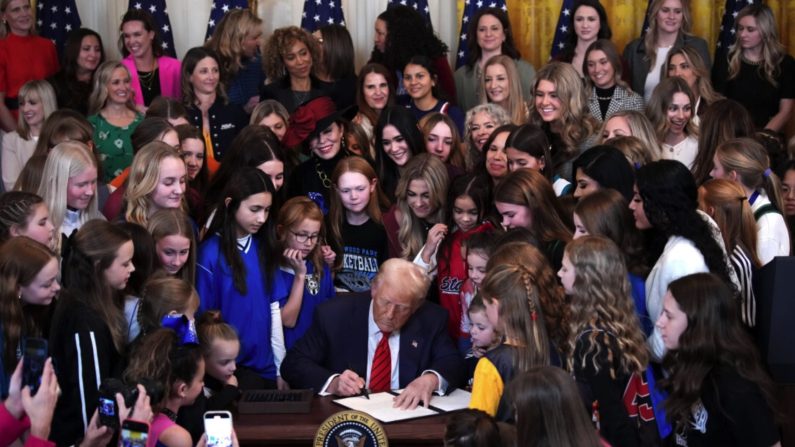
(46,95)
(66,160)
(516,107)
(144,176)
(601,306)
(99,94)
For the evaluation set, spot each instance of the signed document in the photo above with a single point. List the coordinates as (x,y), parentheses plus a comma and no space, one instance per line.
(380,406)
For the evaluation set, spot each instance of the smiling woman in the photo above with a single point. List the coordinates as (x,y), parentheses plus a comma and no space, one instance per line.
(207,106)
(157,181)
(151,73)
(29,276)
(69,188)
(19,43)
(114,117)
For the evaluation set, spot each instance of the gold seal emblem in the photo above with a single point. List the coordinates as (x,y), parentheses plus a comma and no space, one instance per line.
(350,429)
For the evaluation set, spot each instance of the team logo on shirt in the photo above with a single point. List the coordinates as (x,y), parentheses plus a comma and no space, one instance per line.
(350,429)
(313,283)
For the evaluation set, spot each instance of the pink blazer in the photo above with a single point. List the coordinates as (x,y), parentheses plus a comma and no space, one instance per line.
(170,72)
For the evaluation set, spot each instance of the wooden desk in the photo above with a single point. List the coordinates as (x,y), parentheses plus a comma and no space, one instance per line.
(299,429)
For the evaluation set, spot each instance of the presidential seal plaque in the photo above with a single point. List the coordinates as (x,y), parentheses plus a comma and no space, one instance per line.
(350,429)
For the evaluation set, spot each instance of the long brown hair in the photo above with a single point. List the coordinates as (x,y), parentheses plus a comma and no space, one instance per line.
(169,222)
(606,213)
(714,337)
(549,410)
(21,260)
(725,201)
(529,188)
(94,249)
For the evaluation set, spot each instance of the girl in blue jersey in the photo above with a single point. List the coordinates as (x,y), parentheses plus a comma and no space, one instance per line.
(300,233)
(233,276)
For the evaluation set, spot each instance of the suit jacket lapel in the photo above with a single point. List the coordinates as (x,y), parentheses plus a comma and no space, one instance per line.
(357,337)
(412,344)
(616,104)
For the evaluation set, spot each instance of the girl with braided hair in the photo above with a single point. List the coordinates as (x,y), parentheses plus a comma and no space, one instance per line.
(512,302)
(25,214)
(609,353)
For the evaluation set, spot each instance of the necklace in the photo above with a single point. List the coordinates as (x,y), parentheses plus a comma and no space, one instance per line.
(604,98)
(147,79)
(169,414)
(750,62)
(322,176)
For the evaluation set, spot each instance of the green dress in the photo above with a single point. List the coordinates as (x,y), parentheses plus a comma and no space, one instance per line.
(113,144)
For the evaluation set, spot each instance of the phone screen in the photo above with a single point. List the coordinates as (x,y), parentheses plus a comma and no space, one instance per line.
(134,434)
(33,363)
(107,412)
(218,426)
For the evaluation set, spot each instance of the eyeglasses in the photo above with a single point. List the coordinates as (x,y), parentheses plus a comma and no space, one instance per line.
(304,238)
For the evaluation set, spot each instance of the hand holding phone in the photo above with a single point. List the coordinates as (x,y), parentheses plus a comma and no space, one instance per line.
(41,407)
(134,433)
(33,363)
(218,428)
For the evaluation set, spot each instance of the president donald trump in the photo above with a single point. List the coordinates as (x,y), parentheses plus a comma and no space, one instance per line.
(394,340)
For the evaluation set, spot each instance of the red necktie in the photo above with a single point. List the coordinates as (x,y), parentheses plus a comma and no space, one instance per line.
(381,372)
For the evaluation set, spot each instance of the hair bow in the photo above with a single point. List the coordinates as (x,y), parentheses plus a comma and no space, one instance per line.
(183,326)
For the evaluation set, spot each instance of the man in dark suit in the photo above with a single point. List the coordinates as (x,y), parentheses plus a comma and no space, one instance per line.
(337,353)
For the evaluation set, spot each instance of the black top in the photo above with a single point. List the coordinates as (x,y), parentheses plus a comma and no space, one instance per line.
(223,397)
(752,90)
(70,93)
(604,96)
(364,249)
(150,85)
(280,91)
(226,121)
(312,178)
(83,355)
(732,412)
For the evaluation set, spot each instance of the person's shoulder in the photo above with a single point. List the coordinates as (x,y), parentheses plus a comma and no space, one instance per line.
(168,62)
(524,66)
(175,436)
(692,40)
(429,311)
(634,46)
(210,246)
(347,305)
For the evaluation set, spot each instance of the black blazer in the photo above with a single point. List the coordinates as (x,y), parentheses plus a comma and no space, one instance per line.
(337,340)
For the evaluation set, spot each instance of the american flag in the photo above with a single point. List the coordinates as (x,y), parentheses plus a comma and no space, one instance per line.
(563,28)
(319,13)
(219,9)
(420,6)
(727,31)
(471,7)
(646,20)
(56,19)
(158,10)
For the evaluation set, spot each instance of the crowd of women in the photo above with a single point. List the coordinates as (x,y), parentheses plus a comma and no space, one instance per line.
(592,227)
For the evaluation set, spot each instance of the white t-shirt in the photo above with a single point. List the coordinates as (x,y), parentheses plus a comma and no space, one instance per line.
(653,78)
